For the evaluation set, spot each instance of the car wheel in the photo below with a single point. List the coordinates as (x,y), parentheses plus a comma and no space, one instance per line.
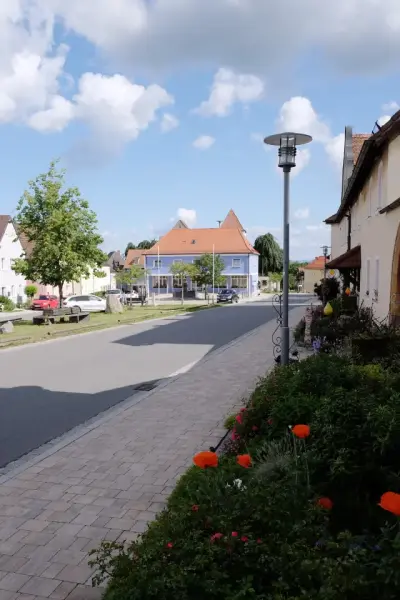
(236,300)
(77,308)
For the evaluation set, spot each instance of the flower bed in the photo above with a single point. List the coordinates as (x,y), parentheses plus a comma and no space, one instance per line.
(303,503)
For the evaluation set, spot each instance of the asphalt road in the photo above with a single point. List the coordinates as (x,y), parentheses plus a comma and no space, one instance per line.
(47,389)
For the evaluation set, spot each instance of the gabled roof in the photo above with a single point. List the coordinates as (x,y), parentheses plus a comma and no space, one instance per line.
(135,257)
(201,241)
(180,225)
(232,222)
(317,264)
(4,221)
(114,257)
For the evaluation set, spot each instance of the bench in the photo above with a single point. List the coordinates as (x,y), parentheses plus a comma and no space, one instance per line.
(71,315)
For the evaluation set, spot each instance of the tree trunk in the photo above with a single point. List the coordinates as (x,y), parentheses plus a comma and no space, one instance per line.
(60,294)
(183,291)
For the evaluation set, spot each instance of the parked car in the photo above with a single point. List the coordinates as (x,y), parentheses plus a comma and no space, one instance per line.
(114,292)
(228,296)
(88,303)
(45,301)
(129,297)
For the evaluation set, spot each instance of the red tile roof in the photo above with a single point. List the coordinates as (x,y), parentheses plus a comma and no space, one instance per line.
(4,221)
(317,264)
(358,141)
(135,257)
(232,222)
(201,241)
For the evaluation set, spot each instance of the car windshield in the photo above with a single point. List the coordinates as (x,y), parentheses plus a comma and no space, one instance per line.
(227,292)
(43,297)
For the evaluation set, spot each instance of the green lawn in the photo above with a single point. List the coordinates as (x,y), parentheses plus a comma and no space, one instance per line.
(25,332)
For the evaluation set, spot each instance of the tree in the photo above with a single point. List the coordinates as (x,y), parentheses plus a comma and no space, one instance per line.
(30,291)
(182,270)
(143,245)
(62,230)
(206,271)
(130,276)
(271,255)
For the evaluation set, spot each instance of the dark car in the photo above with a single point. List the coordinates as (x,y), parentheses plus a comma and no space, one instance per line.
(228,296)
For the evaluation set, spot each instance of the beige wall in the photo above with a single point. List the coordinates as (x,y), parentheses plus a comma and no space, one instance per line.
(376,233)
(311,277)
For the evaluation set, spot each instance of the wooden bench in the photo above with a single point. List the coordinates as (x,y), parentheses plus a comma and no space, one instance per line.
(62,315)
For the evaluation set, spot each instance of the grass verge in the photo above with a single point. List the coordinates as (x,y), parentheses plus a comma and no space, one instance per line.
(25,332)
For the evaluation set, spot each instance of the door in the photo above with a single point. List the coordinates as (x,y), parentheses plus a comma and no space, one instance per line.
(96,304)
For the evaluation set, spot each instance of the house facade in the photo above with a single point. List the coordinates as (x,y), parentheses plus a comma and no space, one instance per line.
(184,244)
(313,273)
(11,285)
(365,231)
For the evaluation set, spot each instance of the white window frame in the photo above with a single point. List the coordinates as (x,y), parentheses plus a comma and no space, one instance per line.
(368,276)
(236,260)
(157,263)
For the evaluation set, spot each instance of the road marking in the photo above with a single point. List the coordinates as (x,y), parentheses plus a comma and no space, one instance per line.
(185,369)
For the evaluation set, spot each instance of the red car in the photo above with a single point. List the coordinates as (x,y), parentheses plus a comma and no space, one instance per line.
(45,301)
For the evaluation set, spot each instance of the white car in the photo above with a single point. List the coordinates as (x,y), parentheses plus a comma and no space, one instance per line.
(114,293)
(89,303)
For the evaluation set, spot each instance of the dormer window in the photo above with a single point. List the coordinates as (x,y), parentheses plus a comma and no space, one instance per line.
(193,241)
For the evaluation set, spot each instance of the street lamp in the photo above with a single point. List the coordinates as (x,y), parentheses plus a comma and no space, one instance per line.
(287,143)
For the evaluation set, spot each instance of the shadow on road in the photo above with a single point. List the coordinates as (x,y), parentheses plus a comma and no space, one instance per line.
(214,328)
(31,416)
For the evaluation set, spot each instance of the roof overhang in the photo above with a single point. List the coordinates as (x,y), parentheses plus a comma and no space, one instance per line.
(349,260)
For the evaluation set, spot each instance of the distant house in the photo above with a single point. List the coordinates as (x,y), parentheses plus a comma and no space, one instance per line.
(313,273)
(11,285)
(182,243)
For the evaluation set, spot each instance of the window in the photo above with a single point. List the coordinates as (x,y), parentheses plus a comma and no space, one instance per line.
(380,186)
(3,263)
(156,263)
(95,299)
(177,281)
(376,289)
(239,281)
(236,262)
(160,284)
(368,282)
(12,291)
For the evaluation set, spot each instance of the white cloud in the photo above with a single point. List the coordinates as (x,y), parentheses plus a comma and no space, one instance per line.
(303,158)
(172,33)
(188,216)
(383,120)
(302,213)
(168,122)
(204,142)
(391,107)
(298,115)
(230,88)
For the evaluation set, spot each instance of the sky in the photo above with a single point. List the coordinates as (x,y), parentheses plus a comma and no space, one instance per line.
(158,108)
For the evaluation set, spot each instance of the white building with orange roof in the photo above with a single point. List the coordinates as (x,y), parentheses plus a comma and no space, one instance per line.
(184,244)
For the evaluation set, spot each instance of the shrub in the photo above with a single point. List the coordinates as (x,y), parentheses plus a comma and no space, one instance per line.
(31,291)
(7,303)
(328,289)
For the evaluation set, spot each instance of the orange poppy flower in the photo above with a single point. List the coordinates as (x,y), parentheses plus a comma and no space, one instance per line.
(390,501)
(244,460)
(301,431)
(205,459)
(325,503)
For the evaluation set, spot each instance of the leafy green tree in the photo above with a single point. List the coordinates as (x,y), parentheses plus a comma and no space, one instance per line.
(182,270)
(143,245)
(30,291)
(130,246)
(128,277)
(62,229)
(205,272)
(271,254)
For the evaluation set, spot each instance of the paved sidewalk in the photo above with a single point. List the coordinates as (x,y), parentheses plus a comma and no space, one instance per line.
(106,480)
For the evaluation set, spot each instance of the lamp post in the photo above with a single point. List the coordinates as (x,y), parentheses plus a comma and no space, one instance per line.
(287,143)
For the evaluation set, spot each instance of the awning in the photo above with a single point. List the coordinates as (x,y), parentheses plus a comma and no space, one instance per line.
(349,260)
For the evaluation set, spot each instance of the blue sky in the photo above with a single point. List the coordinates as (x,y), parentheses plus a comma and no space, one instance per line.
(113,88)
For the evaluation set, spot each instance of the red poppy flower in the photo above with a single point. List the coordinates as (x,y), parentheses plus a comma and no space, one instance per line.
(244,460)
(234,534)
(239,419)
(205,459)
(255,428)
(244,538)
(242,410)
(195,507)
(259,541)
(301,431)
(216,536)
(170,545)
(390,501)
(325,503)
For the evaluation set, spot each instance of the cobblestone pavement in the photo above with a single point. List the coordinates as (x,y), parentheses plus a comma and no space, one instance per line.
(107,480)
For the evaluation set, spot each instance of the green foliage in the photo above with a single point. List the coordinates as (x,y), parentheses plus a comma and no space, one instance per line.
(31,291)
(143,245)
(7,304)
(271,254)
(230,422)
(129,277)
(276,543)
(62,229)
(328,289)
(182,270)
(204,267)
